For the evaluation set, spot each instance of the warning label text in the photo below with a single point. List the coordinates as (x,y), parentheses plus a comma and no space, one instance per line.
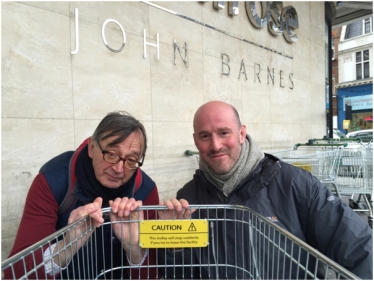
(173,233)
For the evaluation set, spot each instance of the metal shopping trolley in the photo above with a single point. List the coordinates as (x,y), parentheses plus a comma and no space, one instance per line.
(221,242)
(355,172)
(320,159)
(355,176)
(343,166)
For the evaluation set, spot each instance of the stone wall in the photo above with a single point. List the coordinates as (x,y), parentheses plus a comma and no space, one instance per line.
(53,100)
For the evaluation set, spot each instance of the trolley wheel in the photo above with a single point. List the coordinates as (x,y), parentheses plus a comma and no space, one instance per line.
(353,204)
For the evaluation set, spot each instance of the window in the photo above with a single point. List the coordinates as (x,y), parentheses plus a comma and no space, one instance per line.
(332,48)
(368,25)
(362,65)
(359,28)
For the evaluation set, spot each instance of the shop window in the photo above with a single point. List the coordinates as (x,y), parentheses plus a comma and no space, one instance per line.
(362,65)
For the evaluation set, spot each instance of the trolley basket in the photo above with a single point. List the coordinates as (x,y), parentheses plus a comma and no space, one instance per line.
(218,242)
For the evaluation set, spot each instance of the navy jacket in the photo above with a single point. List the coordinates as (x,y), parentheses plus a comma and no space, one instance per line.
(293,199)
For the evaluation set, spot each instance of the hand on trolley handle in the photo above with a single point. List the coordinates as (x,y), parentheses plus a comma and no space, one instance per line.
(77,236)
(128,232)
(176,209)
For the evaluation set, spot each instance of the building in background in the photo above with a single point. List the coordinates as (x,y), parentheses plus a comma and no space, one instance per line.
(335,39)
(354,78)
(65,65)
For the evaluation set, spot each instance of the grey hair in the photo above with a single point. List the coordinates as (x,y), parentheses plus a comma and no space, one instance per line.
(120,124)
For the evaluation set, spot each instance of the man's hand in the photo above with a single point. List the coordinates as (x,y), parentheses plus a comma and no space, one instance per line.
(93,210)
(76,237)
(176,209)
(124,210)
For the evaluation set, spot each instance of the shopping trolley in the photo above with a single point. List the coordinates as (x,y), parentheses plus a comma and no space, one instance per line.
(345,166)
(355,172)
(221,241)
(320,159)
(355,176)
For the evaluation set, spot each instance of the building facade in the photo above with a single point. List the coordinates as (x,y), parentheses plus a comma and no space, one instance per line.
(335,39)
(355,86)
(65,65)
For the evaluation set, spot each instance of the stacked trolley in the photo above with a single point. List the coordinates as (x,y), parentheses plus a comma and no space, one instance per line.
(320,159)
(343,165)
(240,244)
(355,176)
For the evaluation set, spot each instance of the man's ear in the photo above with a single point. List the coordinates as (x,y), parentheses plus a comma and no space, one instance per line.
(243,133)
(91,145)
(194,138)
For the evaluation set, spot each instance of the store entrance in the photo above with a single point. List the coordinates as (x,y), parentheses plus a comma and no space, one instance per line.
(361,121)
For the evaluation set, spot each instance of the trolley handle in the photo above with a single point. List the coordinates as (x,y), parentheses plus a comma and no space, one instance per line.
(190,152)
(352,139)
(321,144)
(359,140)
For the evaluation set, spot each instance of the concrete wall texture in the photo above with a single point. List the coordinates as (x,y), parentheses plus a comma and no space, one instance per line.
(52,100)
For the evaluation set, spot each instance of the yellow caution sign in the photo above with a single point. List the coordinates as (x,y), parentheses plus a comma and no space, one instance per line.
(173,233)
(305,166)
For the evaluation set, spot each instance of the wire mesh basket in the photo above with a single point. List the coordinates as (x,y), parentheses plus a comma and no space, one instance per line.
(321,161)
(216,242)
(344,166)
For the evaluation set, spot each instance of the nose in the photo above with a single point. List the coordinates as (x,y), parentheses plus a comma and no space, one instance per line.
(215,143)
(118,168)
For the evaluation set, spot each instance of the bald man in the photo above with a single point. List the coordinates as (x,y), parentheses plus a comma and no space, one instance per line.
(233,170)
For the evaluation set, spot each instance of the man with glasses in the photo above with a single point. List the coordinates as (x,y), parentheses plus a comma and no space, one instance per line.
(103,172)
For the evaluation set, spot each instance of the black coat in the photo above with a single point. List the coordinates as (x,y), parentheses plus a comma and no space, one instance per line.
(290,197)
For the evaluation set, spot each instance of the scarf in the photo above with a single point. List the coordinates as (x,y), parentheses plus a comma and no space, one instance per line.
(89,188)
(250,155)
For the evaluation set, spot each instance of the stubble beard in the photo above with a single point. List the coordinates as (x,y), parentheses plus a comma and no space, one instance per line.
(220,167)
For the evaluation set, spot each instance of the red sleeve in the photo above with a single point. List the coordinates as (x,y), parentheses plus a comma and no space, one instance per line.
(38,221)
(147,272)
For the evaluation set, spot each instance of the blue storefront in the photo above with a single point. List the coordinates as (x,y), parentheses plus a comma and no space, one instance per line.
(361,99)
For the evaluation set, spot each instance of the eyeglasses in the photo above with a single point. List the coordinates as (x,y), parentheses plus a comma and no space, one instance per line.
(114,159)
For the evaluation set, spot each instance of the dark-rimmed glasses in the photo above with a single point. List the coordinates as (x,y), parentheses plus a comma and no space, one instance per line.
(113,158)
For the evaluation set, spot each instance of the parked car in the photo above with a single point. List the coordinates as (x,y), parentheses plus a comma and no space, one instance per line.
(338,134)
(364,135)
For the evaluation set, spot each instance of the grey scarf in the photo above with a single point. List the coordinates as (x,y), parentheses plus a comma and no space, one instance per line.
(250,155)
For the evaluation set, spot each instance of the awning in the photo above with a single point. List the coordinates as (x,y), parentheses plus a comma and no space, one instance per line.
(370,118)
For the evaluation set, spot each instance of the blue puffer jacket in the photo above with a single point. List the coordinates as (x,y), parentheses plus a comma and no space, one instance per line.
(288,196)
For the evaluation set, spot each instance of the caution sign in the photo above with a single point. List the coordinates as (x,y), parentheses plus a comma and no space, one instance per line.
(173,233)
(305,166)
